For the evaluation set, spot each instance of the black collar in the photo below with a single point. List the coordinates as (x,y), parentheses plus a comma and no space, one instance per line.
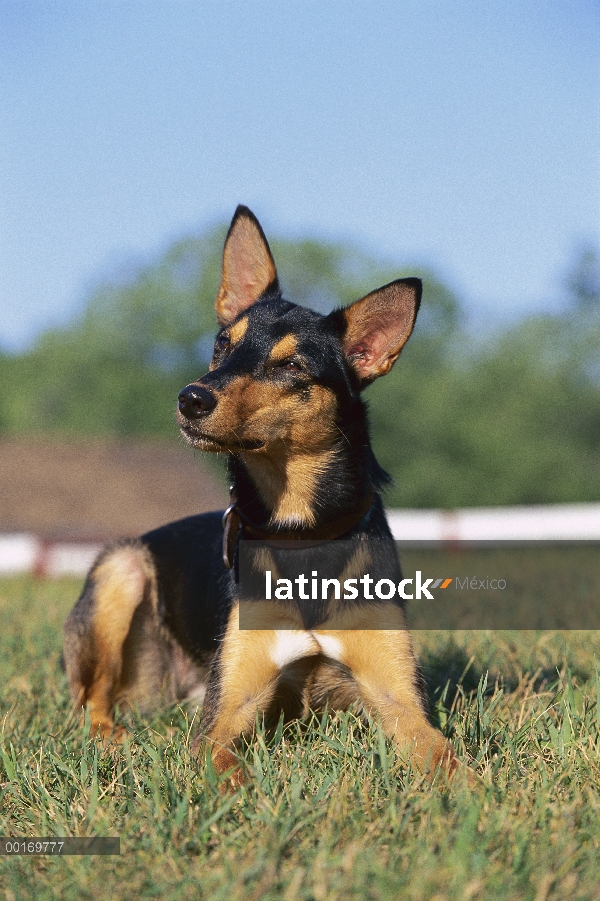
(237,525)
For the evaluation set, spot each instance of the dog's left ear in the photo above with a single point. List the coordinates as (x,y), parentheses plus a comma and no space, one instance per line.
(248,267)
(377,327)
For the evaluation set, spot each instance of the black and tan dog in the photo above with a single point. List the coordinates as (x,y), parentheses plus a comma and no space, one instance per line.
(282,398)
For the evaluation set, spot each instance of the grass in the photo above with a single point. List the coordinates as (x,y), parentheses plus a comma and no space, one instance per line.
(330,812)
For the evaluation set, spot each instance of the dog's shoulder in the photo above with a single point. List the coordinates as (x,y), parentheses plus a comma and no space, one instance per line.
(193,586)
(185,533)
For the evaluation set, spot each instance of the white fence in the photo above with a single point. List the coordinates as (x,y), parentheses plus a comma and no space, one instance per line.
(22,553)
(552,522)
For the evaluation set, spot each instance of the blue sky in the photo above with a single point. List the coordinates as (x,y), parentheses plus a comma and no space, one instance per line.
(464,135)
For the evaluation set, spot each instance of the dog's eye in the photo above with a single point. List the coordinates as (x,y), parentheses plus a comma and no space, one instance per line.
(223,342)
(290,366)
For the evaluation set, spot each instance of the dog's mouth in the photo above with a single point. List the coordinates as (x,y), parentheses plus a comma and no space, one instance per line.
(209,443)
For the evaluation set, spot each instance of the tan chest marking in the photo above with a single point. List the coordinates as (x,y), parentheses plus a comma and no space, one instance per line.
(288,486)
(295,503)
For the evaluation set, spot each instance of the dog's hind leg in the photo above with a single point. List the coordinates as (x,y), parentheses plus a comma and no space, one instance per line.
(120,584)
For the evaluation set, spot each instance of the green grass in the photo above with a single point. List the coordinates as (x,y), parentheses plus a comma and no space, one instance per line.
(330,812)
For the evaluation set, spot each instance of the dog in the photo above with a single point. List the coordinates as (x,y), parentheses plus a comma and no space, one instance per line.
(282,398)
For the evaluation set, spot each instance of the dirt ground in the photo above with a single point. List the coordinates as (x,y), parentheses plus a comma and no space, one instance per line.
(101,489)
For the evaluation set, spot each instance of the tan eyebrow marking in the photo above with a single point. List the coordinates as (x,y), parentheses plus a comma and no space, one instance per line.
(284,348)
(238,330)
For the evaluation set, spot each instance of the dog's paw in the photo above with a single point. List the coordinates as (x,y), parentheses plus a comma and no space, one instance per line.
(109,734)
(227,764)
(457,774)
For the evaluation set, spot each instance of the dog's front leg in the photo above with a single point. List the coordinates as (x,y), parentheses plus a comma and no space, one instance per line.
(383,668)
(242,685)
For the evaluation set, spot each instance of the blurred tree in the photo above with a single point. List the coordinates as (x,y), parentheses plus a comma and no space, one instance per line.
(516,420)
(509,420)
(459,421)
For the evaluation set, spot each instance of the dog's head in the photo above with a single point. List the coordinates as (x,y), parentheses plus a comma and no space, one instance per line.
(280,373)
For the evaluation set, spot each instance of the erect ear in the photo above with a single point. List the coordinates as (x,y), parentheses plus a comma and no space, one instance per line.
(248,267)
(378,326)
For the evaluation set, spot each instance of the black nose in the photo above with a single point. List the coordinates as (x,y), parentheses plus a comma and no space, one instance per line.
(195,401)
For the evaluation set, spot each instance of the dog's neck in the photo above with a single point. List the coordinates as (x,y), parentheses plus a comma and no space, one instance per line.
(290,486)
(287,490)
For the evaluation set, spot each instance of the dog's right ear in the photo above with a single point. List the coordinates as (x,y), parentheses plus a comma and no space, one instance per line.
(248,267)
(376,328)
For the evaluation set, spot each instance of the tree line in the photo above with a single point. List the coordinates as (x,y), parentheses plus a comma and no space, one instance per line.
(512,417)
